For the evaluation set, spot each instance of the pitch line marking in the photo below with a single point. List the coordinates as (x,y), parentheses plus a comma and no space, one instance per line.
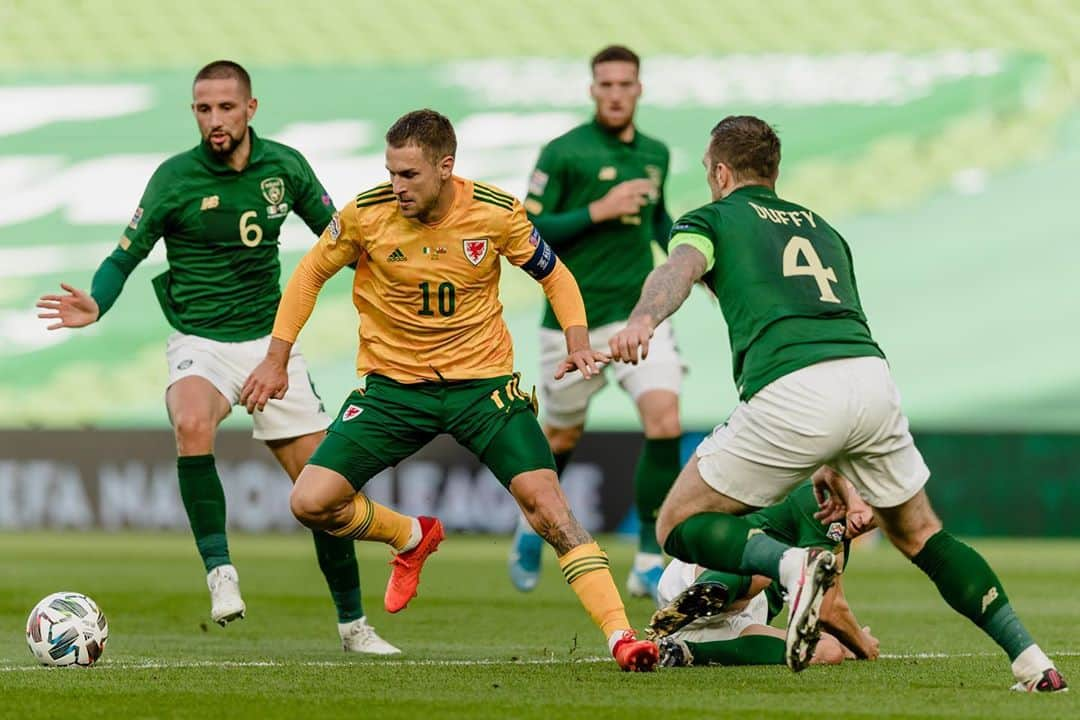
(182,664)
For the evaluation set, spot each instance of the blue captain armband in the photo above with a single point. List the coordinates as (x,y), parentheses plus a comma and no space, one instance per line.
(543,260)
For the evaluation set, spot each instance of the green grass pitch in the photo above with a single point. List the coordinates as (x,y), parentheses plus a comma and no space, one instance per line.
(475,648)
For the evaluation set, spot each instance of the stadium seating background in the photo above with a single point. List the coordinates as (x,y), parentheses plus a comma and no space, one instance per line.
(942,140)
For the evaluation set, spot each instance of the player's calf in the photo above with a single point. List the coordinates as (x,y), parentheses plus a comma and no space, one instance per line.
(584,565)
(967,583)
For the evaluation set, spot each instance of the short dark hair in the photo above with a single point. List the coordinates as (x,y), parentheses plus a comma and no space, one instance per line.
(615,53)
(224,69)
(429,130)
(748,145)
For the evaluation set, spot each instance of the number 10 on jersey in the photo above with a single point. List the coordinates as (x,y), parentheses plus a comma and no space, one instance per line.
(447,300)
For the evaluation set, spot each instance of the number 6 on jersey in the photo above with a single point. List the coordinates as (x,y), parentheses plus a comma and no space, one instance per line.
(813,267)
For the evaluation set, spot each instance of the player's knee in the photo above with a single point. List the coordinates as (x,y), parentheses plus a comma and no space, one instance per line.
(663,424)
(308,508)
(194,432)
(563,440)
(659,410)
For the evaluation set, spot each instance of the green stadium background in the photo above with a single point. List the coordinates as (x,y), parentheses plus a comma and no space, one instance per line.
(942,139)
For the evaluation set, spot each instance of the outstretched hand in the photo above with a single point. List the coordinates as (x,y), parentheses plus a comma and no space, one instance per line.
(74,310)
(588,362)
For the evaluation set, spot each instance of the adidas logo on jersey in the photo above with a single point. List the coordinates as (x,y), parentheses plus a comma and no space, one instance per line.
(396,256)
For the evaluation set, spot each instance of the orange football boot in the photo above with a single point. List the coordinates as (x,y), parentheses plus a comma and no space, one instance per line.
(407,565)
(635,655)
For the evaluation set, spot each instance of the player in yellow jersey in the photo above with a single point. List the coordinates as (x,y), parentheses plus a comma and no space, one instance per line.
(437,357)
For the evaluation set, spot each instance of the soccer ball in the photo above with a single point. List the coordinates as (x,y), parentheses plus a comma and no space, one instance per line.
(66,628)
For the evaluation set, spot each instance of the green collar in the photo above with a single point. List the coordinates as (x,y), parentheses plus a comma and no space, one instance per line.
(610,137)
(215,164)
(758,190)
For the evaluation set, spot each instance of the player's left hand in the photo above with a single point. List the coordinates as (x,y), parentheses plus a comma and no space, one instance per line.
(268,381)
(626,343)
(588,362)
(831,493)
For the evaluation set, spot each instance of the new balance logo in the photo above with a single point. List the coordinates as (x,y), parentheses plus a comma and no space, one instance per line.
(396,256)
(990,596)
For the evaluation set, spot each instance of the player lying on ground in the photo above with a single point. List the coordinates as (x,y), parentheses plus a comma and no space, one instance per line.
(437,357)
(220,207)
(597,197)
(814,389)
(721,618)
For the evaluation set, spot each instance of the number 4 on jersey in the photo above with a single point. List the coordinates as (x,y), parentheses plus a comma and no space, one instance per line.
(822,275)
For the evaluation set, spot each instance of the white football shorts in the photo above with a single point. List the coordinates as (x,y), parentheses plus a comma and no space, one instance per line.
(564,403)
(844,413)
(226,365)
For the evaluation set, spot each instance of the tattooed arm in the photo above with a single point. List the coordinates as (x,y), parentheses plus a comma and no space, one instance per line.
(665,290)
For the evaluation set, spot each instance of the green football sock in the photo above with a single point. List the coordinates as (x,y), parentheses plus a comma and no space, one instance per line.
(657,467)
(971,588)
(749,650)
(724,542)
(337,560)
(204,501)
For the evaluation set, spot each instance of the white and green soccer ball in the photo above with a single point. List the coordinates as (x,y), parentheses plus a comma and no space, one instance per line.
(65,629)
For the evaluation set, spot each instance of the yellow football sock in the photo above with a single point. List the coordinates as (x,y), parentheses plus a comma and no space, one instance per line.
(586,569)
(372,521)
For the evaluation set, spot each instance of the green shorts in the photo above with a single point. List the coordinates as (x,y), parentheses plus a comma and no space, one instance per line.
(388,421)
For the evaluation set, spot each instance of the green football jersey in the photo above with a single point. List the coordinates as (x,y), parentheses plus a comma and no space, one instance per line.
(792,522)
(609,260)
(221,232)
(785,282)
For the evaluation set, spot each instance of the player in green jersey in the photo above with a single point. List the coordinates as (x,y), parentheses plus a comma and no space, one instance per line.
(723,618)
(596,196)
(220,207)
(815,389)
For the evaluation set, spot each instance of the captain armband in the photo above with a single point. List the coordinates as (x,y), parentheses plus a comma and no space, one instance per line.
(543,260)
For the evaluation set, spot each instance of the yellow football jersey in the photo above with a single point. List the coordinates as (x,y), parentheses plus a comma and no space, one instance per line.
(428,295)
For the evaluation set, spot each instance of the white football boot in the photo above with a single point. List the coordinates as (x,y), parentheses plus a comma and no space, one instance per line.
(359,637)
(226,604)
(818,572)
(1049,681)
